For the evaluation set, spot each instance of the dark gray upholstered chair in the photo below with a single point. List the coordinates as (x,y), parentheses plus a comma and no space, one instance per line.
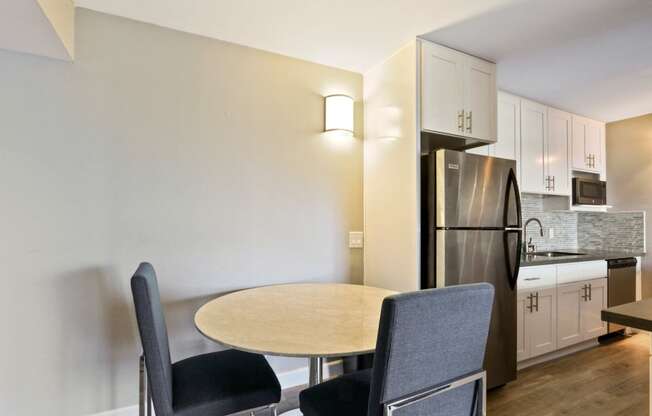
(428,361)
(215,384)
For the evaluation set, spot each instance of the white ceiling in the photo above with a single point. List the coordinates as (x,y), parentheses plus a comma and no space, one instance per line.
(349,34)
(591,57)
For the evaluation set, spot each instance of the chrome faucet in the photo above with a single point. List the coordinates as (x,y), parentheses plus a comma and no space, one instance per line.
(529,247)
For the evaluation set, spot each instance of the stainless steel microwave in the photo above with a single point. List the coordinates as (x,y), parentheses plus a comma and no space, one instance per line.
(589,192)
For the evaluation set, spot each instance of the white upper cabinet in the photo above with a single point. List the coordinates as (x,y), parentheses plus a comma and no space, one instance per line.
(557,178)
(442,93)
(508,145)
(533,146)
(480,99)
(588,144)
(458,93)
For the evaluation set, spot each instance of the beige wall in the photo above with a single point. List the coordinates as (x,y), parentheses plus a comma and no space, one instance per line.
(203,157)
(629,168)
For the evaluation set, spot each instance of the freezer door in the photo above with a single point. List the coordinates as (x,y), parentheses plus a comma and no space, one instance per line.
(473,191)
(493,256)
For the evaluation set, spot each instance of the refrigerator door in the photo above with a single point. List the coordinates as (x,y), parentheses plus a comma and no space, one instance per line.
(493,256)
(473,191)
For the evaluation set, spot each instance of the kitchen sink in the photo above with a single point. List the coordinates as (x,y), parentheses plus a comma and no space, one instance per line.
(555,254)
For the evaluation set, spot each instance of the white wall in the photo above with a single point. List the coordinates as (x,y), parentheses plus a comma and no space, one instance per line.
(202,157)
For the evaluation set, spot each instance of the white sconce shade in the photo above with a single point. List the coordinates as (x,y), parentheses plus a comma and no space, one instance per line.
(338,113)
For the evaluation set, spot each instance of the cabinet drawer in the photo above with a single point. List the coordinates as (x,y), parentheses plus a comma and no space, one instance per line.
(577,272)
(537,277)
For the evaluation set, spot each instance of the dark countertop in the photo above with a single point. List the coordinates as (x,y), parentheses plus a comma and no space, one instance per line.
(589,255)
(636,315)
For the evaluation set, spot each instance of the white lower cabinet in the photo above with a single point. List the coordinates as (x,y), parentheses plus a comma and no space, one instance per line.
(580,305)
(556,314)
(537,320)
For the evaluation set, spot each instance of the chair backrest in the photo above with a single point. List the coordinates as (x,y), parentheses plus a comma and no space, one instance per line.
(154,337)
(429,338)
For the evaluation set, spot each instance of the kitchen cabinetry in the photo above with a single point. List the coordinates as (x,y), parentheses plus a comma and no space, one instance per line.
(538,323)
(588,145)
(533,147)
(458,93)
(557,178)
(508,145)
(545,135)
(580,304)
(559,306)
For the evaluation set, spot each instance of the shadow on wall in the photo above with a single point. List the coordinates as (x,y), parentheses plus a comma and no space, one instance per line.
(101,344)
(100,336)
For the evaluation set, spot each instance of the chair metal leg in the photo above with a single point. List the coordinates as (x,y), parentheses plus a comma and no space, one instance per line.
(274,410)
(142,395)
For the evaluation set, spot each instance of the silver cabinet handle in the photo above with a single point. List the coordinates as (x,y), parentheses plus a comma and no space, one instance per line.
(553,183)
(469,118)
(460,121)
(590,292)
(529,279)
(529,307)
(536,305)
(585,296)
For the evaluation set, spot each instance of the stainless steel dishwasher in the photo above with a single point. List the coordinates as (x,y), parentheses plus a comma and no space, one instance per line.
(622,285)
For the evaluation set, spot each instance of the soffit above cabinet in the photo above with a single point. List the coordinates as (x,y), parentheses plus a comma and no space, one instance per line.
(38,27)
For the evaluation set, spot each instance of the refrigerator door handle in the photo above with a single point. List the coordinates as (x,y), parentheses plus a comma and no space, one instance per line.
(512,185)
(513,269)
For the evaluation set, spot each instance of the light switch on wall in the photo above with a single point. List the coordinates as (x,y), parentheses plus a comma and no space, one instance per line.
(551,233)
(356,239)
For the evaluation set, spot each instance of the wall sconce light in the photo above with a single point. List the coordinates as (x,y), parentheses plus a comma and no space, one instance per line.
(338,113)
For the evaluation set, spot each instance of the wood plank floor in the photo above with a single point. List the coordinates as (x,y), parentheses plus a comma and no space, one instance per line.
(609,380)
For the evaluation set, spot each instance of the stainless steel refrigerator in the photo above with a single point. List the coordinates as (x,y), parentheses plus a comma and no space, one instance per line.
(472,232)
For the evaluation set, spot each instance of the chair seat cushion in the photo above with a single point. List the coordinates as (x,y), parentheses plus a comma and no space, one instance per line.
(347,395)
(222,383)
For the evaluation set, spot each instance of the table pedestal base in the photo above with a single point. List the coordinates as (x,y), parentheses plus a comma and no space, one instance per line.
(315,376)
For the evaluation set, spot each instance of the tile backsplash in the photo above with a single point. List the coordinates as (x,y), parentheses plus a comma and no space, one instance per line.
(609,231)
(563,224)
(617,231)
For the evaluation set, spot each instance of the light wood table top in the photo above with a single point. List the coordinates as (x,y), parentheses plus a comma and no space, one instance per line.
(296,320)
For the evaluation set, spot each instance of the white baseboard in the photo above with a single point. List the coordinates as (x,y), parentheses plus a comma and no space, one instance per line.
(558,354)
(123,411)
(288,379)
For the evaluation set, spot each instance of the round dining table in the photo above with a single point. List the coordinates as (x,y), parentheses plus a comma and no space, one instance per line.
(307,320)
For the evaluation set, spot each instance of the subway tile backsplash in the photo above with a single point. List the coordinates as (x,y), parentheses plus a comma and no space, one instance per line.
(609,231)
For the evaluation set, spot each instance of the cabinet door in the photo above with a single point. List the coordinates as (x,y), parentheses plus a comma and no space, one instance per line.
(558,169)
(542,322)
(442,94)
(593,145)
(480,99)
(578,148)
(569,311)
(508,145)
(533,134)
(592,324)
(522,312)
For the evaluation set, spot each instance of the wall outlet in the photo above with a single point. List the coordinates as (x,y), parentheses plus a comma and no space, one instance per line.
(551,233)
(356,239)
